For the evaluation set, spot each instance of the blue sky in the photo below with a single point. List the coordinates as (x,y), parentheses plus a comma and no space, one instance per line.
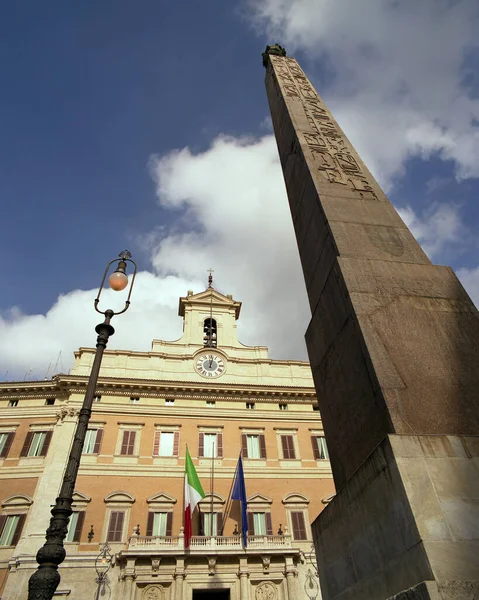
(145,125)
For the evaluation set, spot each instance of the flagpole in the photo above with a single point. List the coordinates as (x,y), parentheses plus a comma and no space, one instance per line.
(228,502)
(212,487)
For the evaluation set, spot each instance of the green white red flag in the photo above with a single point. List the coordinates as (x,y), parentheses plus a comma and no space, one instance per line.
(193,494)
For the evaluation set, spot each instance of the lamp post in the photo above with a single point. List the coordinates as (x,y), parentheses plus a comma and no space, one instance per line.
(103,564)
(45,580)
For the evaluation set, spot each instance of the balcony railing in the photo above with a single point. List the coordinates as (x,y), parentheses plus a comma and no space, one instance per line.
(209,542)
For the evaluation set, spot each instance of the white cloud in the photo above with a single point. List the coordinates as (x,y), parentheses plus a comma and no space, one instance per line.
(398,68)
(470,280)
(439,227)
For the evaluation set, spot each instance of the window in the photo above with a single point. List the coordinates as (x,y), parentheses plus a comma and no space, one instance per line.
(6,440)
(169,401)
(166,443)
(159,523)
(211,523)
(250,405)
(50,402)
(283,406)
(287,445)
(92,441)
(320,449)
(134,400)
(115,526)
(298,525)
(259,523)
(128,443)
(210,445)
(10,529)
(75,526)
(253,445)
(97,399)
(36,443)
(209,333)
(13,403)
(210,403)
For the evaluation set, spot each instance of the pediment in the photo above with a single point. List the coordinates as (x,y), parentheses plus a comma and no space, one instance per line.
(17,500)
(161,498)
(260,499)
(207,298)
(295,499)
(79,497)
(120,497)
(216,498)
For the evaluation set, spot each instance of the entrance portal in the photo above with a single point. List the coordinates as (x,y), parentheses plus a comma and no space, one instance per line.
(213,594)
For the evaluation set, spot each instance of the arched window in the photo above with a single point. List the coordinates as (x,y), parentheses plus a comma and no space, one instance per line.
(209,333)
(13,514)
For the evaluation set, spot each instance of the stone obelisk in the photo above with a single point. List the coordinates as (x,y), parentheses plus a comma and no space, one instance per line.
(394,349)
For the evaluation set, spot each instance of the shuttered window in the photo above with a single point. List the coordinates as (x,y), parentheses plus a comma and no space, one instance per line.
(75,526)
(299,526)
(115,526)
(159,523)
(11,529)
(259,523)
(287,444)
(6,440)
(92,441)
(128,443)
(166,443)
(253,446)
(209,443)
(320,449)
(36,443)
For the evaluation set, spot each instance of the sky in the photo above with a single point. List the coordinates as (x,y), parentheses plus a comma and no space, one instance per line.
(145,125)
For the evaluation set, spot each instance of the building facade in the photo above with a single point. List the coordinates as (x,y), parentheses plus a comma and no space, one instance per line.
(205,391)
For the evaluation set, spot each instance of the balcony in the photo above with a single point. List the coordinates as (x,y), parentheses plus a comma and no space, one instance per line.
(201,543)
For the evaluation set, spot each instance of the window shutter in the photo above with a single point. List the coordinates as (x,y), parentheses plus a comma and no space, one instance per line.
(131,447)
(18,530)
(269,526)
(201,523)
(288,446)
(244,445)
(314,443)
(26,444)
(124,443)
(115,527)
(299,527)
(149,523)
(169,523)
(284,444)
(79,526)
(250,524)
(3,520)
(46,443)
(262,446)
(8,443)
(219,523)
(201,444)
(176,443)
(219,441)
(156,444)
(99,436)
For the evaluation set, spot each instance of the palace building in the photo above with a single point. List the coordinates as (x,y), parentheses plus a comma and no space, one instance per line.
(205,391)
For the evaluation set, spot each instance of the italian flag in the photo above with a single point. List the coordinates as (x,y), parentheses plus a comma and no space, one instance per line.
(193,494)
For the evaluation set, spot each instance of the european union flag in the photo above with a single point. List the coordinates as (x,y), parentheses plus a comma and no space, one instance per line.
(239,493)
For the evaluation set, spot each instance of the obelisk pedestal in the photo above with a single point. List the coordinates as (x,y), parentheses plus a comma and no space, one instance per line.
(394,349)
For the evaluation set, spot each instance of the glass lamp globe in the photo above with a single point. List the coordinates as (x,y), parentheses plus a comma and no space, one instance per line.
(118,281)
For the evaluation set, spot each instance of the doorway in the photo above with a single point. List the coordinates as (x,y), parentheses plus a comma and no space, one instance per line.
(213,594)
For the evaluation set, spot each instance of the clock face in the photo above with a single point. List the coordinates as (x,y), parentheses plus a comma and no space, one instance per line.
(210,365)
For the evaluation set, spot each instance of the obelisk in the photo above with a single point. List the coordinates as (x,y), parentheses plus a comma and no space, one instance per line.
(394,349)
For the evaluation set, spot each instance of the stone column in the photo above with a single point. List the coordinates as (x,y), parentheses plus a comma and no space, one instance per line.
(291,574)
(180,575)
(393,344)
(128,578)
(244,576)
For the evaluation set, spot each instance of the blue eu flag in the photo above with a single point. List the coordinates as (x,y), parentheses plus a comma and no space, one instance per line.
(239,493)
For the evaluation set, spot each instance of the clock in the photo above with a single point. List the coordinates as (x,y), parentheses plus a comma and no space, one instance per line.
(210,365)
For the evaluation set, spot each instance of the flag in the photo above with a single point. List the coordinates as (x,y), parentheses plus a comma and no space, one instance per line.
(239,493)
(193,494)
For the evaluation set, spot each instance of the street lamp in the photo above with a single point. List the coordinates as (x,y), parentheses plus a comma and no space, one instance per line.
(45,580)
(103,564)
